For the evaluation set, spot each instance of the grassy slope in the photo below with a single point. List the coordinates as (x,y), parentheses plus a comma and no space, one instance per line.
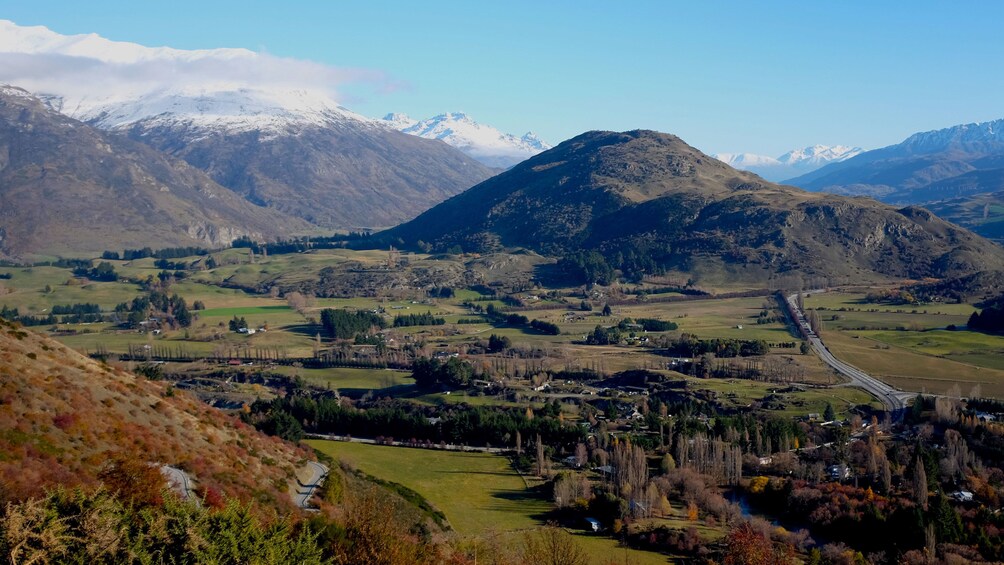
(62,414)
(480,494)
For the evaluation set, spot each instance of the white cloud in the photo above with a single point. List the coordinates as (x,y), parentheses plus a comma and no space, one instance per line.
(90,72)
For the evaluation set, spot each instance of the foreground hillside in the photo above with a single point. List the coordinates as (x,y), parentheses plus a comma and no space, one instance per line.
(64,417)
(648,202)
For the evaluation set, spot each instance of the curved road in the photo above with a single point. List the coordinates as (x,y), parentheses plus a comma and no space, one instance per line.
(180,482)
(893,399)
(302,492)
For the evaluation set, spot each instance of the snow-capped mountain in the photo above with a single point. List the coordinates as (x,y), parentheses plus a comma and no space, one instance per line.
(482,142)
(930,166)
(269,129)
(965,137)
(746,160)
(818,155)
(793,163)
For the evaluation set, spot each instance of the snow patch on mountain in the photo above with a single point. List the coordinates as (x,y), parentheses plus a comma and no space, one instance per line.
(791,164)
(818,155)
(745,160)
(963,137)
(480,141)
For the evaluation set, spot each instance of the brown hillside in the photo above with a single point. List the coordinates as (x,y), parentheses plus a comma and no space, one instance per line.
(63,416)
(67,188)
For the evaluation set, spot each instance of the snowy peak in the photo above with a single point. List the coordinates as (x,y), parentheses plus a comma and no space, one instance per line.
(791,164)
(745,160)
(399,121)
(531,140)
(229,111)
(965,136)
(819,154)
(482,142)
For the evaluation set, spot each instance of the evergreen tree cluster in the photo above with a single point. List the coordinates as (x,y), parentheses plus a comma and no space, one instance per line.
(653,325)
(689,345)
(237,324)
(426,319)
(432,373)
(83,313)
(991,319)
(343,324)
(543,327)
(498,344)
(104,272)
(173,307)
(586,267)
(166,253)
(406,421)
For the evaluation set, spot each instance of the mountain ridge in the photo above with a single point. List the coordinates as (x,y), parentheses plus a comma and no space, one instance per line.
(649,198)
(66,187)
(796,161)
(920,159)
(482,142)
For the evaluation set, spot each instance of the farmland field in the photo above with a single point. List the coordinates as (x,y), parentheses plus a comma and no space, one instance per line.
(914,371)
(479,493)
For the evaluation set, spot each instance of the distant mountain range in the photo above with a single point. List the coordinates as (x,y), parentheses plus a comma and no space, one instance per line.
(646,201)
(793,163)
(290,149)
(482,142)
(952,164)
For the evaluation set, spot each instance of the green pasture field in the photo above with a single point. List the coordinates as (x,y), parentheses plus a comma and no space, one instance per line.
(461,397)
(913,371)
(856,301)
(943,343)
(480,493)
(888,320)
(350,378)
(29,284)
(245,310)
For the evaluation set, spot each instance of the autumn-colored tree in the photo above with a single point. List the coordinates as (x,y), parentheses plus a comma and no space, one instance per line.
(133,480)
(552,545)
(372,538)
(745,545)
(692,511)
(920,491)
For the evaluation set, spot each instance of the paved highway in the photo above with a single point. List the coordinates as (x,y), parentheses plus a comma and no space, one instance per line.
(180,482)
(893,399)
(302,492)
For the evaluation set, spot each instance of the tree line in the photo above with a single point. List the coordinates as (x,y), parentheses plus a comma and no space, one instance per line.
(426,319)
(343,324)
(991,319)
(469,425)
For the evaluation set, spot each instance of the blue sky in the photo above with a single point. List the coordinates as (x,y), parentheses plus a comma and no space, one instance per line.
(761,77)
